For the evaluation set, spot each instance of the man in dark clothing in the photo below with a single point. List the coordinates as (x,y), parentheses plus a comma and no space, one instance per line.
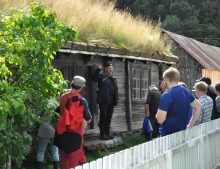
(151,107)
(211,94)
(107,98)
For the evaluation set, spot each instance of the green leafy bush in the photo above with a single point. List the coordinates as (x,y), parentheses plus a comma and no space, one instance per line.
(28,43)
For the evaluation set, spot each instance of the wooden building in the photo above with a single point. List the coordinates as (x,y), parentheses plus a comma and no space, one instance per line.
(196,59)
(134,72)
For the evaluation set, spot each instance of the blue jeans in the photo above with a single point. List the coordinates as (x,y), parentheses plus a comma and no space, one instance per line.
(42,145)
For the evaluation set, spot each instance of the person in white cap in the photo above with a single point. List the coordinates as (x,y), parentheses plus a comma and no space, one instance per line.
(70,143)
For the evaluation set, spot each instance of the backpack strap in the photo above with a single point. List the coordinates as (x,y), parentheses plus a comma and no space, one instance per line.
(72,115)
(74,97)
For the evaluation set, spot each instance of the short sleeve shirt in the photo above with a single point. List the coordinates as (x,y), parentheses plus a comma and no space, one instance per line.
(176,102)
(206,112)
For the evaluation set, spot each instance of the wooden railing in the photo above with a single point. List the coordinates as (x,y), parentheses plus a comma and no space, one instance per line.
(196,148)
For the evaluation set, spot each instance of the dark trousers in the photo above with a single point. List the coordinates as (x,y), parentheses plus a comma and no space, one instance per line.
(155,126)
(106,111)
(148,136)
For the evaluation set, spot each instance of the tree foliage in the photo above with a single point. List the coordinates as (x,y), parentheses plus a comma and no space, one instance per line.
(28,43)
(196,19)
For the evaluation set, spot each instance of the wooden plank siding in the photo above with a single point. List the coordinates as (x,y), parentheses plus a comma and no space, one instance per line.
(119,116)
(129,114)
(214,75)
(84,65)
(195,59)
(190,69)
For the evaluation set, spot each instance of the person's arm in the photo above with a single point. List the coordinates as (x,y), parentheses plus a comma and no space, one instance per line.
(84,125)
(148,100)
(195,114)
(161,116)
(147,114)
(165,103)
(95,76)
(86,112)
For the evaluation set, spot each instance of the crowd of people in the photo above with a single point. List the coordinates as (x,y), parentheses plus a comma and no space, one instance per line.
(176,108)
(169,108)
(66,138)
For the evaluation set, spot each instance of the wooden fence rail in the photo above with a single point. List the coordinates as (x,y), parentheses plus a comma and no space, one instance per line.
(197,148)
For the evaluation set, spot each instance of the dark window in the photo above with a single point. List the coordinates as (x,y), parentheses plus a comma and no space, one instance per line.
(140,83)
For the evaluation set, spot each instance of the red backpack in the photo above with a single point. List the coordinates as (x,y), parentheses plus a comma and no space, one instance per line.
(72,115)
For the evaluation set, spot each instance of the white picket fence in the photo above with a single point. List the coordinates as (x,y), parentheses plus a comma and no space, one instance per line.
(197,148)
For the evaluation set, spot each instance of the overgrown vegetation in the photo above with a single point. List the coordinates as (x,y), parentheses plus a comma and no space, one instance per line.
(99,23)
(28,42)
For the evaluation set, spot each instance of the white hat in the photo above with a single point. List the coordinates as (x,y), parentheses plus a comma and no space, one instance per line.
(79,81)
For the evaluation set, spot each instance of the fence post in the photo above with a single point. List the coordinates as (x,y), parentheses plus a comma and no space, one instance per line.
(201,152)
(169,162)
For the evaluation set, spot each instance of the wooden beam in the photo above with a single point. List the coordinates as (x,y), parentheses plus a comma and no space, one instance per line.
(128,94)
(144,61)
(121,59)
(88,58)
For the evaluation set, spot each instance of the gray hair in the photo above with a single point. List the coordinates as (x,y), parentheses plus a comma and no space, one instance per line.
(153,88)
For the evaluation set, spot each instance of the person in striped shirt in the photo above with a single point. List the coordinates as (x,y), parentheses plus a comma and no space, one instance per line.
(206,101)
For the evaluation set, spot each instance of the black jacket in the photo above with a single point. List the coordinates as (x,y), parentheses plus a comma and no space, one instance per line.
(103,87)
(213,95)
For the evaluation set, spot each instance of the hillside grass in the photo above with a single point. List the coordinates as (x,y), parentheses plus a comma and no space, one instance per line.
(99,23)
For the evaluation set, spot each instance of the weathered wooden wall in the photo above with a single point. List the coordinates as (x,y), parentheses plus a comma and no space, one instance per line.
(129,114)
(84,65)
(137,105)
(119,122)
(190,69)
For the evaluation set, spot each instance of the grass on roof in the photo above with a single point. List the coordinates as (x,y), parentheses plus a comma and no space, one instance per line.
(99,23)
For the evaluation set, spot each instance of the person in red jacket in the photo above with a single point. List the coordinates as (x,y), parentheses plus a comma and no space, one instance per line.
(70,140)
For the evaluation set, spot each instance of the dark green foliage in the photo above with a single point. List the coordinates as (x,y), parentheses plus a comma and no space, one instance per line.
(192,18)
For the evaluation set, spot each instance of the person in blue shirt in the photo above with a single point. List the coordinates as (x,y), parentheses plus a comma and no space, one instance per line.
(190,109)
(174,105)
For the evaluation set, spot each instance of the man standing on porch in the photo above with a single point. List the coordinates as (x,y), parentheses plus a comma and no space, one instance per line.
(174,105)
(107,98)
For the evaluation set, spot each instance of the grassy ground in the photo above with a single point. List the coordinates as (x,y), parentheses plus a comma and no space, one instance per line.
(127,143)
